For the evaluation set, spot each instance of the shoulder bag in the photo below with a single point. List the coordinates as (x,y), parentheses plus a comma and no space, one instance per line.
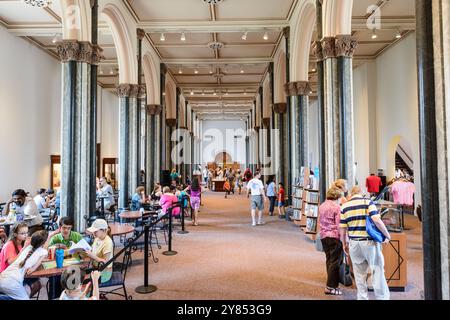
(372,229)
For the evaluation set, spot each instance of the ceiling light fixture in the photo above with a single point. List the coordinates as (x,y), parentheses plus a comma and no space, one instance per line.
(266,36)
(244,36)
(183,37)
(203,92)
(163,37)
(374,34)
(399,34)
(212,1)
(111,71)
(192,92)
(245,92)
(196,71)
(180,71)
(100,71)
(55,39)
(242,70)
(37,3)
(215,93)
(313,70)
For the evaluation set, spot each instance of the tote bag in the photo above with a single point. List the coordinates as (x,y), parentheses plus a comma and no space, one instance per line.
(372,229)
(345,276)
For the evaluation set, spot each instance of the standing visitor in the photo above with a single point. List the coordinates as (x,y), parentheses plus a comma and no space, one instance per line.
(281,197)
(365,253)
(342,185)
(239,181)
(174,176)
(210,178)
(271,194)
(227,188)
(205,175)
(195,191)
(329,217)
(255,187)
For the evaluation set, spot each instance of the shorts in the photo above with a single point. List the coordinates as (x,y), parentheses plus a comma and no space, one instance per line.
(281,204)
(257,202)
(195,203)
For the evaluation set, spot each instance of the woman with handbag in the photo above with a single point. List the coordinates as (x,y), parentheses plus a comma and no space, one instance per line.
(329,217)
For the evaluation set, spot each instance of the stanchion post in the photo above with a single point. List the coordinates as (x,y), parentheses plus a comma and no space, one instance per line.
(182,231)
(170,252)
(146,288)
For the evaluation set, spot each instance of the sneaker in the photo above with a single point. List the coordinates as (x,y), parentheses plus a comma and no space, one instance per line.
(253,224)
(260,223)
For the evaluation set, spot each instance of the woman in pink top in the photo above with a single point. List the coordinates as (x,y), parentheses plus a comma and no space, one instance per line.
(167,200)
(329,217)
(12,248)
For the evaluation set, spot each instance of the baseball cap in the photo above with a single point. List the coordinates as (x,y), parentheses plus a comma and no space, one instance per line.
(98,224)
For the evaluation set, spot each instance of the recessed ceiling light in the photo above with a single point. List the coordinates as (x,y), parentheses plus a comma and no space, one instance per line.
(55,39)
(266,36)
(313,70)
(111,71)
(399,34)
(100,71)
(162,38)
(192,92)
(180,71)
(242,70)
(244,36)
(203,92)
(196,71)
(215,93)
(245,92)
(374,34)
(183,37)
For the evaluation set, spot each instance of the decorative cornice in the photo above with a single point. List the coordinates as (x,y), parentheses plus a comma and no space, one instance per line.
(171,122)
(154,109)
(81,51)
(329,47)
(140,33)
(297,88)
(345,46)
(317,50)
(126,90)
(280,107)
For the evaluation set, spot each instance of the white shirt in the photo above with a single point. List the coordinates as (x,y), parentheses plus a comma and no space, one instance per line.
(107,190)
(11,279)
(256,186)
(40,202)
(205,173)
(29,209)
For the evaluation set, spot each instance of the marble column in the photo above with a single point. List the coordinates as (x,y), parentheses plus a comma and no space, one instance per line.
(140,33)
(152,111)
(128,133)
(318,53)
(289,149)
(78,137)
(170,127)
(345,48)
(280,110)
(433,154)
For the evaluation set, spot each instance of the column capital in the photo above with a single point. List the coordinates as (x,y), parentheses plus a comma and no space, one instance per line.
(297,88)
(286,32)
(125,90)
(140,33)
(154,109)
(266,122)
(171,122)
(280,107)
(329,47)
(345,46)
(81,51)
(317,50)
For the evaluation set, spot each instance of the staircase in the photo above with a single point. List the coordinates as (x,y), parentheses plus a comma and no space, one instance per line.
(401,164)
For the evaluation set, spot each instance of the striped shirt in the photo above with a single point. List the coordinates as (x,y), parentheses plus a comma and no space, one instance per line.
(353,216)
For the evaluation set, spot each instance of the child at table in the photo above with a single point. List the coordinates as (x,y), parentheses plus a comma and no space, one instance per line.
(167,200)
(102,248)
(72,282)
(29,259)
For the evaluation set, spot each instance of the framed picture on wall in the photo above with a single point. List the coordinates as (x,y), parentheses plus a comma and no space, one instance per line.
(55,172)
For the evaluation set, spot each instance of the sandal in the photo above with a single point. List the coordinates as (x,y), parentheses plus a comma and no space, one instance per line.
(333,291)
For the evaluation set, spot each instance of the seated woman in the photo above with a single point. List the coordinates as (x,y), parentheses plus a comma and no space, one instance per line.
(138,199)
(12,248)
(31,257)
(167,200)
(157,192)
(102,248)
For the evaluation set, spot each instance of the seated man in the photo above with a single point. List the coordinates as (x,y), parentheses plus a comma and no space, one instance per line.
(41,200)
(105,190)
(24,205)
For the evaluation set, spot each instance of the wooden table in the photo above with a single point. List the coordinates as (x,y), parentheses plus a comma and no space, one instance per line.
(119,229)
(132,215)
(47,273)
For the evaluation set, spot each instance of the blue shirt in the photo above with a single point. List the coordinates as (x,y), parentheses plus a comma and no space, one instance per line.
(136,202)
(271,190)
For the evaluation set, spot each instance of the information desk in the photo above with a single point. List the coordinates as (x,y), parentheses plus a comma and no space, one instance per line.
(217,185)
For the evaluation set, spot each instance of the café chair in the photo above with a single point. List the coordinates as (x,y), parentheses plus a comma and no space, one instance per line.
(118,277)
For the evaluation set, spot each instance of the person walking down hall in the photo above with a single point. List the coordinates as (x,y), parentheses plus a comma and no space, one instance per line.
(365,253)
(255,187)
(271,194)
(329,217)
(281,197)
(227,188)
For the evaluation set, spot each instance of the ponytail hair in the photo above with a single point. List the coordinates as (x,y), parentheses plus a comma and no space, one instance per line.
(37,240)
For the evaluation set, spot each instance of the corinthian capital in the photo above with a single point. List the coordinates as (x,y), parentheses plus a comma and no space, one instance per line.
(123,90)
(345,46)
(280,107)
(154,109)
(317,50)
(329,47)
(81,51)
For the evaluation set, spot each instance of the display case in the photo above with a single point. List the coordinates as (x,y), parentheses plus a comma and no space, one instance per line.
(110,171)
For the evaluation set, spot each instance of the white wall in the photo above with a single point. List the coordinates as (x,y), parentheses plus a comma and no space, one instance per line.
(110,125)
(223,142)
(386,110)
(313,116)
(30,102)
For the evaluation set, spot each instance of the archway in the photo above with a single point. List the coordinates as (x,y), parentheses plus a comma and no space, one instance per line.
(151,79)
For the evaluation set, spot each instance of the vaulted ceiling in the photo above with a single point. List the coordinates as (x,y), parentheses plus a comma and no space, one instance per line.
(215,65)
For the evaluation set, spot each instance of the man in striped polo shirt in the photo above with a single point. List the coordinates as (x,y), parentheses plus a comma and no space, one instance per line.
(366,254)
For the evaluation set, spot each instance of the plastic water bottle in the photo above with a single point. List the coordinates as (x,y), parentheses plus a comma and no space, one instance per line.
(59,257)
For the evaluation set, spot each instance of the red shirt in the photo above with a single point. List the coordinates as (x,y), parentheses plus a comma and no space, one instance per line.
(373,184)
(281,194)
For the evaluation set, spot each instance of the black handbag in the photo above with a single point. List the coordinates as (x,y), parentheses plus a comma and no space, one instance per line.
(345,276)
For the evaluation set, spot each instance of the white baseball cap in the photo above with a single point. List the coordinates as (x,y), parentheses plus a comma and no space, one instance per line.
(99,224)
